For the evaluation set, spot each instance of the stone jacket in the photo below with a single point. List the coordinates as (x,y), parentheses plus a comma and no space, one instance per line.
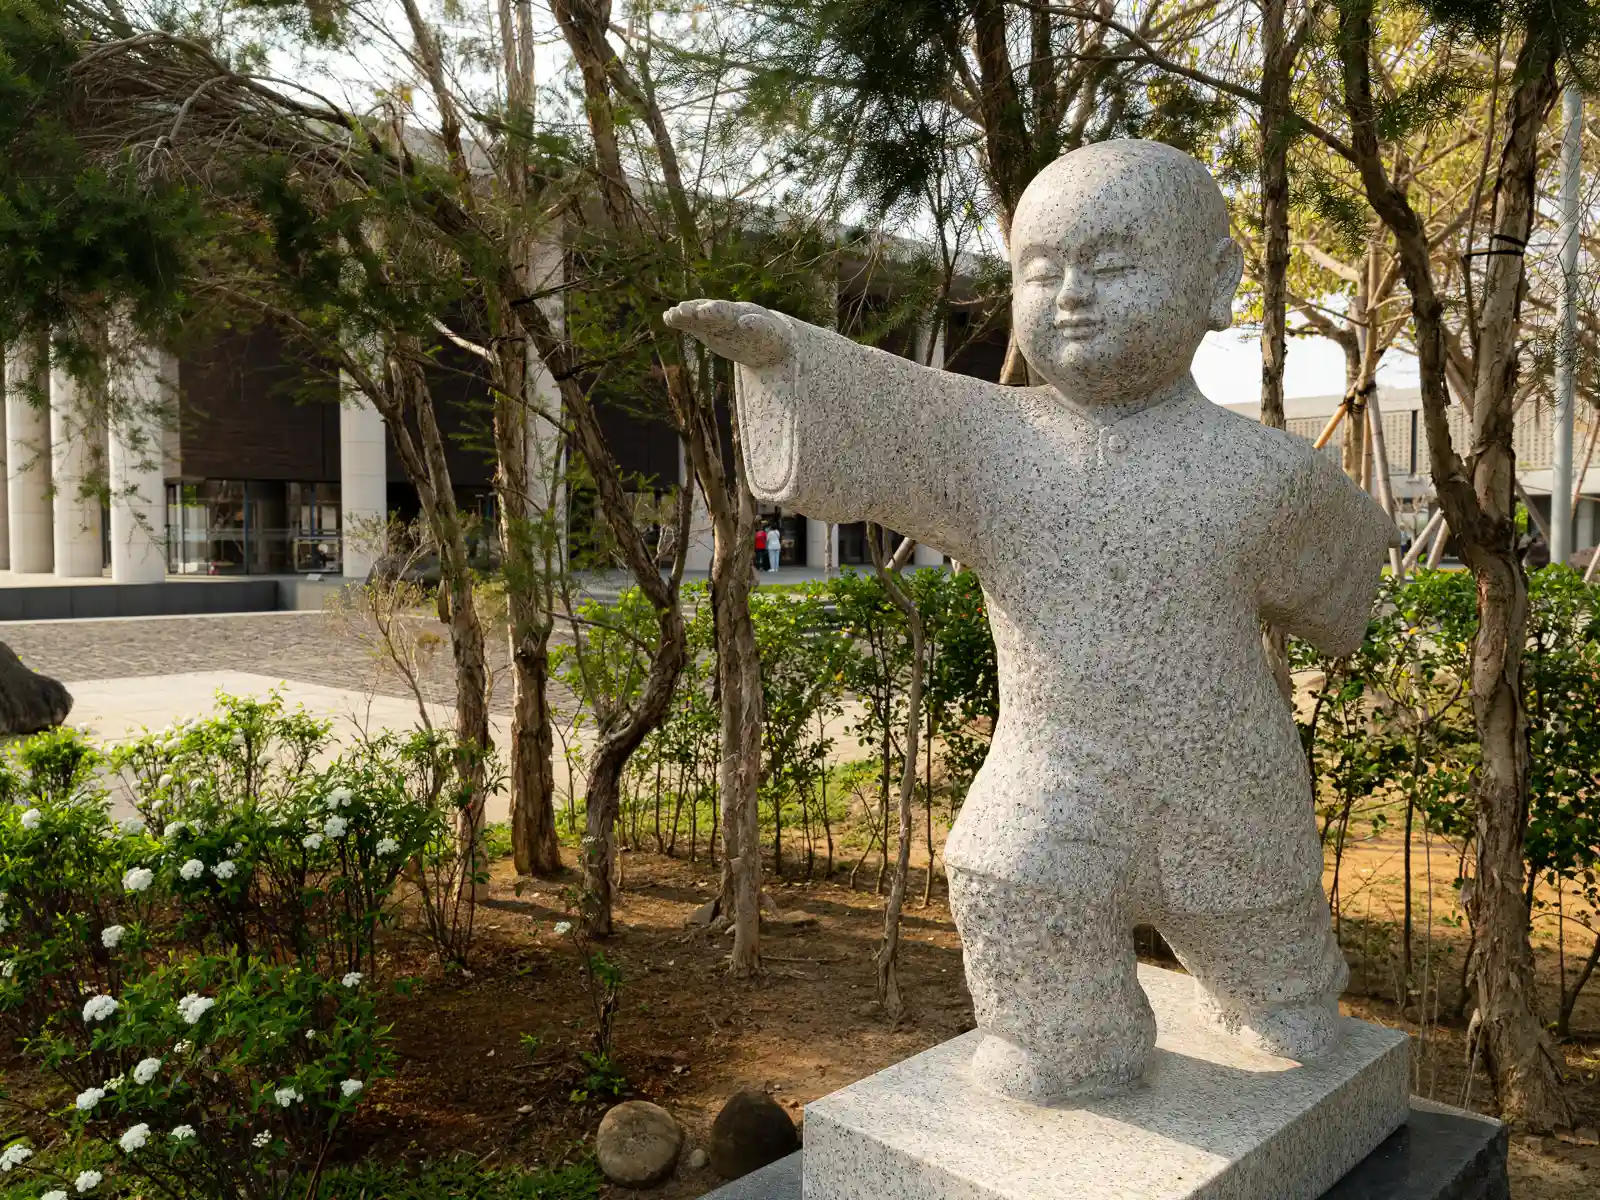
(1128,563)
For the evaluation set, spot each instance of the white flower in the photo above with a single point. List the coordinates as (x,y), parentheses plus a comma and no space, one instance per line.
(55,1194)
(286,1096)
(131,826)
(5,922)
(225,869)
(194,1006)
(173,829)
(198,825)
(138,879)
(89,1097)
(387,845)
(164,782)
(31,818)
(352,980)
(181,1133)
(87,1181)
(8,968)
(192,869)
(115,1082)
(14,1156)
(311,841)
(98,1008)
(311,1035)
(335,826)
(260,1140)
(111,935)
(351,1087)
(563,928)
(182,1047)
(238,739)
(146,1070)
(338,798)
(236,849)
(135,1138)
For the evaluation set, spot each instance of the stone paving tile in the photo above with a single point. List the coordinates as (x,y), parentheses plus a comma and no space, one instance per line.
(310,647)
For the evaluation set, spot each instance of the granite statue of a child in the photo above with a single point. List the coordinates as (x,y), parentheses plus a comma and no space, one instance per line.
(1144,767)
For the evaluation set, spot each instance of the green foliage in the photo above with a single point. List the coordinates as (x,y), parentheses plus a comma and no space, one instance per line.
(73,231)
(202,976)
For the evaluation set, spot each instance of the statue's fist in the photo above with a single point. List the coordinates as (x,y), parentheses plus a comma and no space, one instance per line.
(746,333)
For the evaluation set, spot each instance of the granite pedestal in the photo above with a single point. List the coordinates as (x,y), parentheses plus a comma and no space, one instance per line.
(1440,1153)
(1212,1119)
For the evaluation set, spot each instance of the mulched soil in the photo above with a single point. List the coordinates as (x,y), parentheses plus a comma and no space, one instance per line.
(688,1037)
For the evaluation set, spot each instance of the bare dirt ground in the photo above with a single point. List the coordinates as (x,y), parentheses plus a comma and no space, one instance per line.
(688,1037)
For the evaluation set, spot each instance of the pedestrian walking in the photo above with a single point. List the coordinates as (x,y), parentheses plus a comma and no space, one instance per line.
(774,548)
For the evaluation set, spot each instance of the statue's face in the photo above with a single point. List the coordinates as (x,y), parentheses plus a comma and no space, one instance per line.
(1114,283)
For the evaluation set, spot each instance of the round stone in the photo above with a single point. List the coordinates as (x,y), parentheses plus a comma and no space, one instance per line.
(751,1131)
(638,1144)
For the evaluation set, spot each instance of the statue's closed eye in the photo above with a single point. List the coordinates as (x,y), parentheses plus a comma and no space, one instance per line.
(1040,270)
(1112,267)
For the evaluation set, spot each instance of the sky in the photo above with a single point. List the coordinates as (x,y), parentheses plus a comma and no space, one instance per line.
(1228,367)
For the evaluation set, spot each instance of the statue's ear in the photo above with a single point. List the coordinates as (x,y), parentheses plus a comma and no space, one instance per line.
(1229,260)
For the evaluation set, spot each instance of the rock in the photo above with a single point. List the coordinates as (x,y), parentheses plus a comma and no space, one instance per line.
(705,914)
(638,1144)
(797,918)
(751,1131)
(29,702)
(698,1159)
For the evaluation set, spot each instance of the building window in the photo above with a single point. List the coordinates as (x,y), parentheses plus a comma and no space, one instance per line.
(252,527)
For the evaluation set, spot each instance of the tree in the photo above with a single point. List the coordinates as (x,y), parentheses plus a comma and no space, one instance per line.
(1478,494)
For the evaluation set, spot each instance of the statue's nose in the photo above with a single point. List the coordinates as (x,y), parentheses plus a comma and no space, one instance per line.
(1077,288)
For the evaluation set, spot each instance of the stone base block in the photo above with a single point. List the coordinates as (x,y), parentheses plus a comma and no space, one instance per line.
(1212,1119)
(1440,1153)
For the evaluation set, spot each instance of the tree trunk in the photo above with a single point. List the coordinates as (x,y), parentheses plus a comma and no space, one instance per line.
(1478,501)
(1277,63)
(738,774)
(888,952)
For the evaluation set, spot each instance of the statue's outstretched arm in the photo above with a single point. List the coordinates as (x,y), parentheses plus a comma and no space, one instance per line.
(844,432)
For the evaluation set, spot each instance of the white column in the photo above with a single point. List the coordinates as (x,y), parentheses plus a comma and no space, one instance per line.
(31,542)
(77,438)
(138,475)
(822,545)
(702,537)
(5,503)
(363,482)
(546,443)
(929,556)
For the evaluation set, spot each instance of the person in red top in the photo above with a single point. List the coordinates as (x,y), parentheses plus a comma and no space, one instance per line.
(761,549)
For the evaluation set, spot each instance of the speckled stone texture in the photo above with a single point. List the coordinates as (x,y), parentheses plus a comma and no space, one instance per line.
(1131,538)
(1212,1119)
(1440,1153)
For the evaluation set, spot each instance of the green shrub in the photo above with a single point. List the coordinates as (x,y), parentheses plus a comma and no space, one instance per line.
(200,977)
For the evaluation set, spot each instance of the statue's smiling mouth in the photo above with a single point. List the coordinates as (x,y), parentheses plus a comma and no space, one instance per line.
(1077,328)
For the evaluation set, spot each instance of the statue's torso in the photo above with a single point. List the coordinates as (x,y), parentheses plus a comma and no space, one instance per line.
(1122,568)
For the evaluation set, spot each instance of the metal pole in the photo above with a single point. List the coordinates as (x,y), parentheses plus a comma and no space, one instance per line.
(1566,355)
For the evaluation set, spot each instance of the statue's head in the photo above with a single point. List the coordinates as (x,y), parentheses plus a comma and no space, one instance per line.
(1120,263)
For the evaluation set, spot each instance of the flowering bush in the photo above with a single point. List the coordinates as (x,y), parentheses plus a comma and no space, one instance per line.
(194,961)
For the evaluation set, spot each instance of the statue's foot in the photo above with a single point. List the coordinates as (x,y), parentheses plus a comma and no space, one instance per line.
(1298,1031)
(1006,1068)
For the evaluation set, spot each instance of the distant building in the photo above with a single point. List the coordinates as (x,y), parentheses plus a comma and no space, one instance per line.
(1406,439)
(266,473)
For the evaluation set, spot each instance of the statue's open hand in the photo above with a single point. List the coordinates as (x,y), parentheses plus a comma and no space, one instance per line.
(746,333)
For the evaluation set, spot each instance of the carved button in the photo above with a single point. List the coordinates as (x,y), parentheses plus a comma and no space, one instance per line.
(1116,443)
